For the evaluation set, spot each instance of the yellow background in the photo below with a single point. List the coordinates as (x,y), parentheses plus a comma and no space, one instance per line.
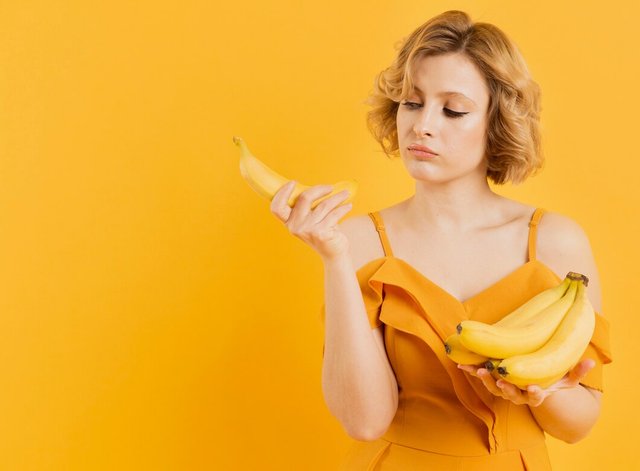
(154,314)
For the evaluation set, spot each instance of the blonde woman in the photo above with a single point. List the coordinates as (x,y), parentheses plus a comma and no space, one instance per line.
(459,107)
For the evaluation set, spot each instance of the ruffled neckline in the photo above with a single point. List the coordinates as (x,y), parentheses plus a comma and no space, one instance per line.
(415,275)
(440,308)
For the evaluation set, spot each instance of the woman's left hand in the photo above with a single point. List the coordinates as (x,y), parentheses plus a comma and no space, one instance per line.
(534,394)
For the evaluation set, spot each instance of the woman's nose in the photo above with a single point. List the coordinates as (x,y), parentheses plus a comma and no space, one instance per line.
(425,123)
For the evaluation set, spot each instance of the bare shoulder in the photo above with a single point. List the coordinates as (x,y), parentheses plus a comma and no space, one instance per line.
(364,242)
(560,237)
(563,245)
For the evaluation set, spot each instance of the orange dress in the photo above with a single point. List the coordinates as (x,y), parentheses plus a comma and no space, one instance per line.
(446,419)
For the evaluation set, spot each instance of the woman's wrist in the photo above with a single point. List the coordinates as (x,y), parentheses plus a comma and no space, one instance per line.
(338,261)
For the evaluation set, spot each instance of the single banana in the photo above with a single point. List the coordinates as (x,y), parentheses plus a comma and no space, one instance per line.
(461,355)
(524,313)
(495,341)
(561,353)
(267,182)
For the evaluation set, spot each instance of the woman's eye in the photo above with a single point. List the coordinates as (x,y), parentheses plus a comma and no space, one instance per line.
(454,114)
(447,111)
(410,105)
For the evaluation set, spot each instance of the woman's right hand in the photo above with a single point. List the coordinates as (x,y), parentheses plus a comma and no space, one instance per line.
(316,227)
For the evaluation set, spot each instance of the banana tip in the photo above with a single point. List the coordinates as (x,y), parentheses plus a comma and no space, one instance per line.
(502,371)
(459,328)
(447,348)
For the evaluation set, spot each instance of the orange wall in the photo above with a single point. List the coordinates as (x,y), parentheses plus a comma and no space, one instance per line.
(154,314)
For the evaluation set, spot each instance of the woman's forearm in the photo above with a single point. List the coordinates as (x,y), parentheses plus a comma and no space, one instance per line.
(568,414)
(355,379)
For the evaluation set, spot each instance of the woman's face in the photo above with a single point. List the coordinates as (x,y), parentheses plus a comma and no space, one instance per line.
(448,114)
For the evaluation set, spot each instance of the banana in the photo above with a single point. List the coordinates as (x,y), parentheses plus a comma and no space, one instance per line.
(561,353)
(458,353)
(495,341)
(266,182)
(525,312)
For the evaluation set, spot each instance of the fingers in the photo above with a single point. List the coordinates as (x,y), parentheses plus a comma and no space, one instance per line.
(302,208)
(485,376)
(321,211)
(489,381)
(536,395)
(512,392)
(500,388)
(336,214)
(279,205)
(469,369)
(533,395)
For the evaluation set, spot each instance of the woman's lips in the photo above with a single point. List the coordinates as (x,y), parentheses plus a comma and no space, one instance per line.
(422,155)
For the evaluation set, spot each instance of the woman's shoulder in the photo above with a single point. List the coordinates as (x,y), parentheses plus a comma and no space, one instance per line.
(364,241)
(559,233)
(563,245)
(555,230)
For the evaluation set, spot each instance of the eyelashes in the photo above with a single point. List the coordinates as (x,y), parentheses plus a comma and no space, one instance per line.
(447,111)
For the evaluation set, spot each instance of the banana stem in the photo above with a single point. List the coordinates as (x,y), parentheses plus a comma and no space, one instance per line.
(579,277)
(239,142)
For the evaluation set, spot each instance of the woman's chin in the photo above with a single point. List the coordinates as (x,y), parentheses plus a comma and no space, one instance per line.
(424,172)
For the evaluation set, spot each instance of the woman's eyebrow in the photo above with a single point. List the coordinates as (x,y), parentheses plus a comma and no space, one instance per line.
(450,93)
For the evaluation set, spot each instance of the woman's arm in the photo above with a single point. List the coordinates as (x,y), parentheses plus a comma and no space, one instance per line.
(569,414)
(358,383)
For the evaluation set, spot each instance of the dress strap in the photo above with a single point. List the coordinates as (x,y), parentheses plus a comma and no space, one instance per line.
(377,220)
(533,230)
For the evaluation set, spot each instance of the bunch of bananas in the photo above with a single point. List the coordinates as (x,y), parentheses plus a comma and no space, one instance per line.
(267,182)
(538,343)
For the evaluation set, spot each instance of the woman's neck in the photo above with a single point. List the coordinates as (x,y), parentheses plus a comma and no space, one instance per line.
(457,206)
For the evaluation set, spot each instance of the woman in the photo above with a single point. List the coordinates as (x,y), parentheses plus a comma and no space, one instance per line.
(459,107)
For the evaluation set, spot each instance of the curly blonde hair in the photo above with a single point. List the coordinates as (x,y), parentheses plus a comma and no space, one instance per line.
(513,148)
